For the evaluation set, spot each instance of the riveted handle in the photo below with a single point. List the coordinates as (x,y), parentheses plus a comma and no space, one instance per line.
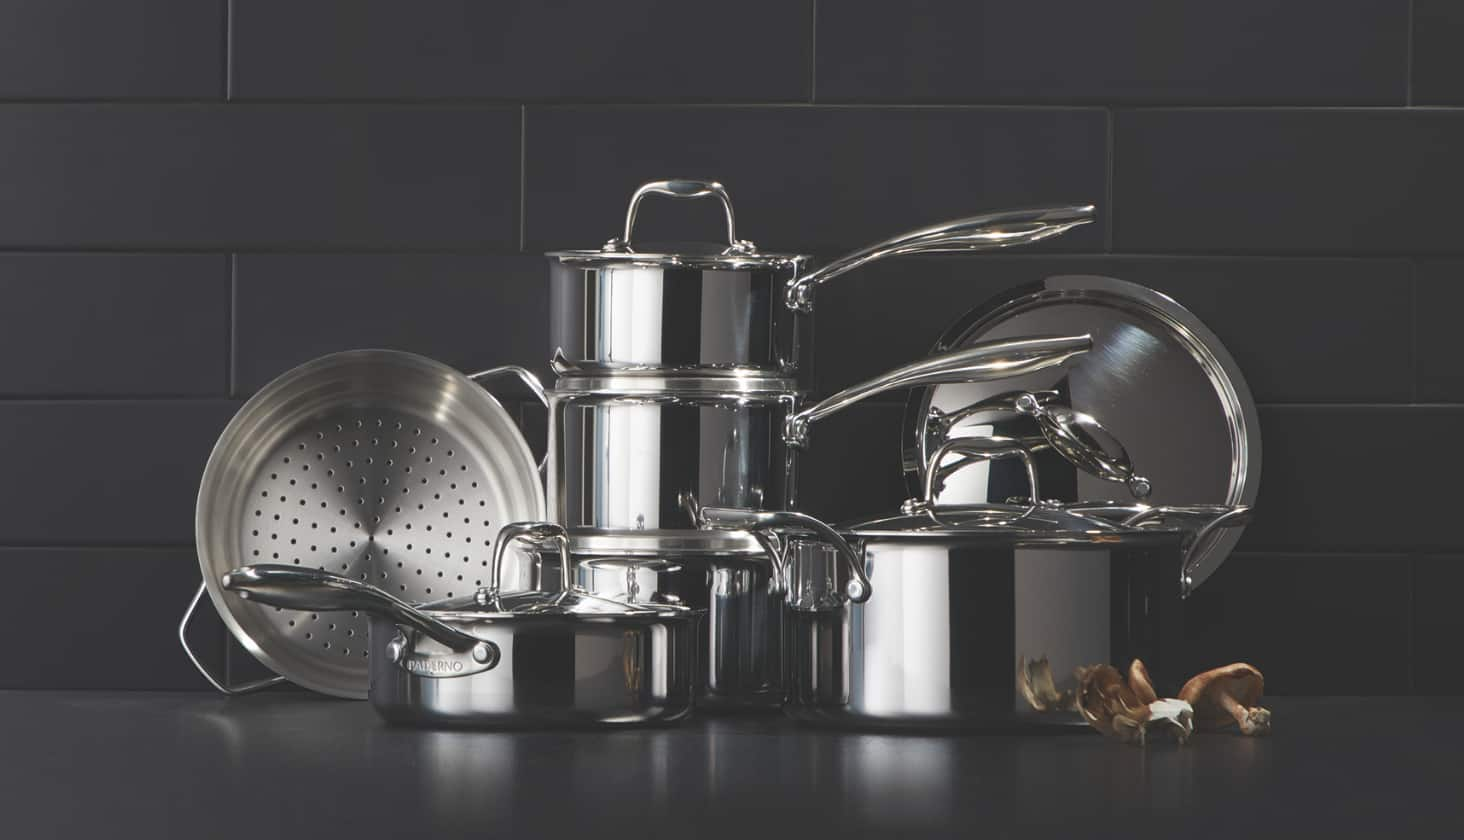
(681,188)
(1001,229)
(980,362)
(741,519)
(530,381)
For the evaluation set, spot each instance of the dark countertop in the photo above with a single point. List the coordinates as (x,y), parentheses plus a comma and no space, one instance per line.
(286,764)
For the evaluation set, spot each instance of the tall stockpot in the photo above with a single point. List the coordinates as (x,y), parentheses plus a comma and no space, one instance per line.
(975,617)
(625,451)
(728,311)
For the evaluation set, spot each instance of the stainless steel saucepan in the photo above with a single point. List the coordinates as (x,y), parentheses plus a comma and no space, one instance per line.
(728,311)
(977,615)
(491,659)
(624,450)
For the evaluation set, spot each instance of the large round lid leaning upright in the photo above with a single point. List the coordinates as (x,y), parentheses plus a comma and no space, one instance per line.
(1156,378)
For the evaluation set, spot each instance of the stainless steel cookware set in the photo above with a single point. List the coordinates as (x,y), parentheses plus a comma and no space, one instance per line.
(371,524)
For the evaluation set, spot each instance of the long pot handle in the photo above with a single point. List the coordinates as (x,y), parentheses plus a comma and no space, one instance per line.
(977,363)
(681,188)
(974,449)
(1078,437)
(740,519)
(299,588)
(988,231)
(525,376)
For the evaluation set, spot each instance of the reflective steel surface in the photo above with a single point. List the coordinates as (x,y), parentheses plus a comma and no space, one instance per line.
(939,642)
(369,463)
(292,764)
(1156,379)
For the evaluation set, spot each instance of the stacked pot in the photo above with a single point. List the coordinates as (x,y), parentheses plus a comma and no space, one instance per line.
(683,379)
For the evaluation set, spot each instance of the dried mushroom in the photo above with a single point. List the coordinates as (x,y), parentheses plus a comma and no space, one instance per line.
(1228,695)
(1127,708)
(1035,681)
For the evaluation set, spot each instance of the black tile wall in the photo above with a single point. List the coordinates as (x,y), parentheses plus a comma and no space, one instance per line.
(105,618)
(1306,621)
(1438,64)
(1277,317)
(646,50)
(472,312)
(1139,51)
(265,177)
(1440,302)
(1287,181)
(114,472)
(83,49)
(114,325)
(807,178)
(200,195)
(1438,624)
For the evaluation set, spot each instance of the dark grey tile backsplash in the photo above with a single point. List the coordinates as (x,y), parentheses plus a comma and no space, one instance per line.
(1149,51)
(199,195)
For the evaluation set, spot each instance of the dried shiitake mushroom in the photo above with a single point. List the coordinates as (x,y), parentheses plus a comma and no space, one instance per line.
(1228,695)
(1034,678)
(1126,709)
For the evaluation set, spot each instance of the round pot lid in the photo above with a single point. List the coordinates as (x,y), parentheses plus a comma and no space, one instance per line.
(1156,378)
(1006,524)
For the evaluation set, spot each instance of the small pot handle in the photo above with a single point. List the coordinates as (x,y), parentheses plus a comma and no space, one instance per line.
(1001,229)
(1076,436)
(528,378)
(217,682)
(974,449)
(681,188)
(740,519)
(977,363)
(299,588)
(535,533)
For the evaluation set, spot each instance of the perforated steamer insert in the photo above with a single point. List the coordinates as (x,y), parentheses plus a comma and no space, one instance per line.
(382,466)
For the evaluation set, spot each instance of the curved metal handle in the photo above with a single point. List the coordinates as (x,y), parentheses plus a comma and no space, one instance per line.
(1001,229)
(525,376)
(299,588)
(681,188)
(1085,443)
(975,450)
(741,519)
(1220,517)
(534,533)
(233,690)
(977,363)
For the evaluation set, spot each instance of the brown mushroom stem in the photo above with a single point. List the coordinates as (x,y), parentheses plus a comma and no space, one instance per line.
(1252,720)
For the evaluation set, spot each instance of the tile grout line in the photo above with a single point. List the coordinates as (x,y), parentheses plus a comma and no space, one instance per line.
(1413,331)
(813,52)
(523,175)
(1110,230)
(231,374)
(1409,640)
(1408,59)
(228,50)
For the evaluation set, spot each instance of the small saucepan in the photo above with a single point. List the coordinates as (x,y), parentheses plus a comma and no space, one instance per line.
(493,660)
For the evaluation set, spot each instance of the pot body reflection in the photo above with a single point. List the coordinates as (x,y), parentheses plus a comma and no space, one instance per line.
(584,672)
(742,635)
(942,640)
(627,460)
(676,319)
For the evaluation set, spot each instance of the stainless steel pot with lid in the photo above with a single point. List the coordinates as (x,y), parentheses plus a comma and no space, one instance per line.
(728,310)
(966,603)
(492,659)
